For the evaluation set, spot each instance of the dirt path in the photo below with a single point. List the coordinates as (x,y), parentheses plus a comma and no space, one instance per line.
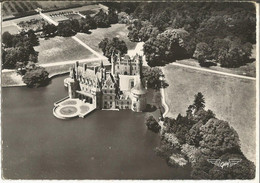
(212,71)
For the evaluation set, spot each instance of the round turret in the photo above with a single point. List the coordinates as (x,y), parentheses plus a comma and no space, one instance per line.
(138,97)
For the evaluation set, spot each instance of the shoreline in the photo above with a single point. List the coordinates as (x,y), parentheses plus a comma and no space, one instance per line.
(23,84)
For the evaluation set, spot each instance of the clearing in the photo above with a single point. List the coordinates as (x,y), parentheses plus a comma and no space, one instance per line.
(97,35)
(12,29)
(232,99)
(60,49)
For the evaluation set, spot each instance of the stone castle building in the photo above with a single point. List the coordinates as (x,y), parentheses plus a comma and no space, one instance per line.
(117,87)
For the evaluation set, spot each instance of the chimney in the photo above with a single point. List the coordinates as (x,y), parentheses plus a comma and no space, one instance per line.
(85,66)
(95,69)
(76,69)
(104,73)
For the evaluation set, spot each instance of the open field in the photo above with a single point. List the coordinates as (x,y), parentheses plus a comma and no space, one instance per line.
(17,20)
(232,99)
(59,49)
(246,70)
(97,35)
(11,8)
(12,29)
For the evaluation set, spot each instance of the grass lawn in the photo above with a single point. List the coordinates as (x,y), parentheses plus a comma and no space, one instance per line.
(60,49)
(231,99)
(97,35)
(12,29)
(247,70)
(17,20)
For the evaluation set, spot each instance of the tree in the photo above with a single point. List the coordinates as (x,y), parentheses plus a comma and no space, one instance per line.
(202,52)
(152,77)
(7,39)
(101,19)
(90,22)
(14,55)
(165,48)
(33,39)
(152,124)
(218,137)
(36,77)
(244,169)
(112,16)
(49,30)
(66,29)
(203,169)
(199,101)
(114,45)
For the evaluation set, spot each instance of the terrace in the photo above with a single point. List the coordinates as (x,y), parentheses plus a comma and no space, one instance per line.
(70,108)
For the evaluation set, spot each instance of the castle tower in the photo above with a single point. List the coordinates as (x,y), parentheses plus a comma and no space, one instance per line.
(113,64)
(71,89)
(139,65)
(138,96)
(119,58)
(71,73)
(104,73)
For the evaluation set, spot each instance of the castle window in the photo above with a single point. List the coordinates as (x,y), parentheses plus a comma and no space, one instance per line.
(127,102)
(111,97)
(111,91)
(132,84)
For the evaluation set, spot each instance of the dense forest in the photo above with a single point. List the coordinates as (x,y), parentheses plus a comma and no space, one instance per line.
(219,32)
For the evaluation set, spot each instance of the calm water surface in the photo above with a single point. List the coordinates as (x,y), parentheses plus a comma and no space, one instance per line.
(104,145)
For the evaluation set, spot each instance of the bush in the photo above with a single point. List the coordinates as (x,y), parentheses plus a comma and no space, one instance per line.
(36,77)
(152,124)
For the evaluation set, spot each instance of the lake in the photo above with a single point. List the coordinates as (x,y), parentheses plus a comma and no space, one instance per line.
(104,145)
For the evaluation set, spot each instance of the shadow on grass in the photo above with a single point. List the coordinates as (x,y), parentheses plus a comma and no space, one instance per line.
(150,108)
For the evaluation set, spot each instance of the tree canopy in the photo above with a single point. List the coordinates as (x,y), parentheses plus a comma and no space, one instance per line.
(18,49)
(36,77)
(114,45)
(208,24)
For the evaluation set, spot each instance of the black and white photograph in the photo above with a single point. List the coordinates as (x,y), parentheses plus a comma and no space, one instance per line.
(130,90)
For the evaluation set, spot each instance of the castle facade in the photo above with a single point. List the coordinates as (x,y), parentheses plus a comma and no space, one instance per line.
(117,87)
